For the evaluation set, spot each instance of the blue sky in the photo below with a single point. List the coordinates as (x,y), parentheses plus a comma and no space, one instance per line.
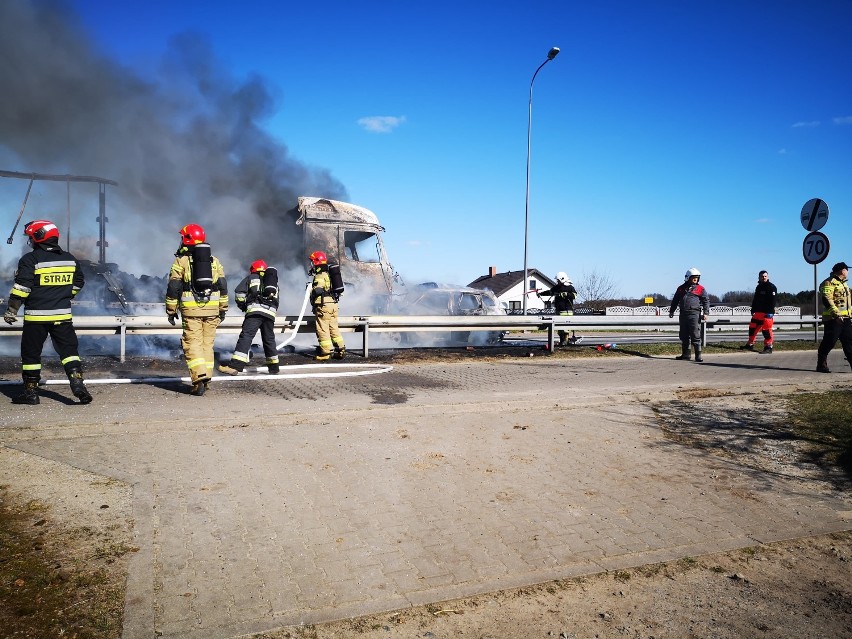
(665,135)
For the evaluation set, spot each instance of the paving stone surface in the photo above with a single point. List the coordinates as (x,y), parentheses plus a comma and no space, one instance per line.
(283,501)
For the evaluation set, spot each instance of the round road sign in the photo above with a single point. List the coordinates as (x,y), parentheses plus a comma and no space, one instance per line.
(814,215)
(815,247)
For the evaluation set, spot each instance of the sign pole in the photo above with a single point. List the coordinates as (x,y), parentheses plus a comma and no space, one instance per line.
(816,307)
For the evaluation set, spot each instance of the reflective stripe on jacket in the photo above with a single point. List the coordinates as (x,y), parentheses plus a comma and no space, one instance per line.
(255,297)
(46,280)
(836,299)
(179,293)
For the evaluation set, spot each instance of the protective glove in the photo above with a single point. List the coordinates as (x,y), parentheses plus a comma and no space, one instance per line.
(221,315)
(671,315)
(770,315)
(171,317)
(10,317)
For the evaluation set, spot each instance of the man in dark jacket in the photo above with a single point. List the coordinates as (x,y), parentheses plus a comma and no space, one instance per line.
(691,298)
(563,295)
(762,313)
(46,280)
(257,296)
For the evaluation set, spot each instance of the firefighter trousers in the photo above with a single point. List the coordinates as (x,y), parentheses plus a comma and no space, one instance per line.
(328,333)
(690,329)
(251,324)
(199,334)
(64,339)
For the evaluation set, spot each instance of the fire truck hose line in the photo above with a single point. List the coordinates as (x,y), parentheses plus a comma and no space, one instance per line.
(329,370)
(301,315)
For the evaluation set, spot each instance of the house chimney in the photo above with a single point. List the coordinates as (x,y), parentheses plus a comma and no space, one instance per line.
(492,271)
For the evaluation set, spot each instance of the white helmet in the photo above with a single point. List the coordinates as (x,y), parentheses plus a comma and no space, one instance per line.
(693,272)
(562,278)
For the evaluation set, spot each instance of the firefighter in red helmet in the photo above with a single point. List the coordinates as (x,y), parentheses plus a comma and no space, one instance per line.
(257,297)
(324,298)
(46,281)
(198,291)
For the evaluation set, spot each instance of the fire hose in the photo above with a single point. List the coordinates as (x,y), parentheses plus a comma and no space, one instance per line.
(328,371)
(298,321)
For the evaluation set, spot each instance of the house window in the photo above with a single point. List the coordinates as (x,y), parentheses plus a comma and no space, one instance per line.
(532,286)
(515,306)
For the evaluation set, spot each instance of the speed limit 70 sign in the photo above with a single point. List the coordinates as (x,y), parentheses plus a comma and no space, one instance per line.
(815,247)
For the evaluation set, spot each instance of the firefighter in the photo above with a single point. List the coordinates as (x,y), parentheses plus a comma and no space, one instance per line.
(257,297)
(46,281)
(324,300)
(837,316)
(691,297)
(563,295)
(762,314)
(197,290)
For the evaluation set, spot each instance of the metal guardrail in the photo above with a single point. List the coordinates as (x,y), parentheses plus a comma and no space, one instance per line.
(124,325)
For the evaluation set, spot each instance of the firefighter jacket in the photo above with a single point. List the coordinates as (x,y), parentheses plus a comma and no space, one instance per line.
(764,298)
(835,298)
(321,292)
(563,297)
(691,298)
(46,281)
(180,294)
(257,295)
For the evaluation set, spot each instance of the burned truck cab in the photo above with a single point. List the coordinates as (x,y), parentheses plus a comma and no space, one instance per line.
(351,236)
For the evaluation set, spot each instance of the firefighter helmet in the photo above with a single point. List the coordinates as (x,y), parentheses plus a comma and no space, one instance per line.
(693,272)
(39,231)
(192,234)
(563,278)
(257,266)
(317,258)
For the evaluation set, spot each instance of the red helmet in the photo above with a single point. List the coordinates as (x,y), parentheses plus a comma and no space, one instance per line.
(317,258)
(192,234)
(40,231)
(258,265)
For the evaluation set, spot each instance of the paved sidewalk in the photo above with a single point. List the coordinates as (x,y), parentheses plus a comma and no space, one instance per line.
(304,500)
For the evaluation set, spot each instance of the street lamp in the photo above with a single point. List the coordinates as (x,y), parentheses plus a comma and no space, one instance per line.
(550,55)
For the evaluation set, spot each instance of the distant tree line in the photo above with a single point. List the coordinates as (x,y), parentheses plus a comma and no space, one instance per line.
(597,290)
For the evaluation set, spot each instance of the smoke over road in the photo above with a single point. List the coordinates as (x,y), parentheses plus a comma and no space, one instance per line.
(184,141)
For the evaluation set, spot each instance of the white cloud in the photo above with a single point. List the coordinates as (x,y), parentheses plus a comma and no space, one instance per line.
(415,243)
(763,220)
(806,125)
(782,151)
(844,120)
(381,123)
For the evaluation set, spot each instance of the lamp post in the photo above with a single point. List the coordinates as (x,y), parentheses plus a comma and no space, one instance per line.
(550,55)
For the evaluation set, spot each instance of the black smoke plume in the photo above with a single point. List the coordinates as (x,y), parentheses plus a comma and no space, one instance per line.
(184,141)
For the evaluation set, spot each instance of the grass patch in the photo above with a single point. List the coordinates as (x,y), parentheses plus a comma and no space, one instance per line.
(49,588)
(824,420)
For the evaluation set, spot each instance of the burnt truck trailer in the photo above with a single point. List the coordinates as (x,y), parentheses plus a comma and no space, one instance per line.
(350,236)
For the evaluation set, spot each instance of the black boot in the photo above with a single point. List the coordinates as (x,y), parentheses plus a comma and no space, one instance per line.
(340,353)
(684,352)
(75,378)
(698,357)
(30,394)
(822,366)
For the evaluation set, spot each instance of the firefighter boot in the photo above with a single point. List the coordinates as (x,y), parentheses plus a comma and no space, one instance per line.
(273,369)
(340,353)
(199,386)
(30,394)
(822,366)
(698,357)
(75,378)
(684,352)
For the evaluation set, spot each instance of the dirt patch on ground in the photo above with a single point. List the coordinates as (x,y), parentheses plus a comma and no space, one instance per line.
(64,538)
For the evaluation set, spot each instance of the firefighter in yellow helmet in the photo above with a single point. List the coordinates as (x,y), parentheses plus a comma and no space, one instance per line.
(198,291)
(324,303)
